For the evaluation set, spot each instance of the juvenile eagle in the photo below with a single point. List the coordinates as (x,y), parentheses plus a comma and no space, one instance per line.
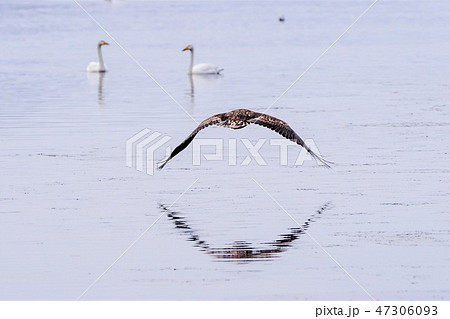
(240,118)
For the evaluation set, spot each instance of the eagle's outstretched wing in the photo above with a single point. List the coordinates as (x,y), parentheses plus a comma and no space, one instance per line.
(240,118)
(213,120)
(282,128)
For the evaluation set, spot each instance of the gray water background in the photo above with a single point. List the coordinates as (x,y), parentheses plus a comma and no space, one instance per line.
(376,104)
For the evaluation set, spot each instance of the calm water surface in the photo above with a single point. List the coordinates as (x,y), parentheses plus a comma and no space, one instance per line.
(376,104)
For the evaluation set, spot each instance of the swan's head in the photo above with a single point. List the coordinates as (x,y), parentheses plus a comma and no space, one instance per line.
(102,42)
(188,47)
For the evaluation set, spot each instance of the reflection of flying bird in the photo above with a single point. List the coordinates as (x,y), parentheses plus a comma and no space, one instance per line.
(242,250)
(100,65)
(202,68)
(240,118)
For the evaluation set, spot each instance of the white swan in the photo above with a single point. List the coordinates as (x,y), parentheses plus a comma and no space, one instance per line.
(100,65)
(202,68)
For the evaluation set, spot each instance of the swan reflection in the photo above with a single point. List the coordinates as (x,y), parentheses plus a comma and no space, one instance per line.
(242,250)
(97,79)
(191,83)
(202,80)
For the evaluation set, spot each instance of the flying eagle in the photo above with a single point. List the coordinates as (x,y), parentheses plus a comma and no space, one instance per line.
(240,118)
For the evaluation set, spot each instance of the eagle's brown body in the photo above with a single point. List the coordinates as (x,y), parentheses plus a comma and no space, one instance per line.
(240,118)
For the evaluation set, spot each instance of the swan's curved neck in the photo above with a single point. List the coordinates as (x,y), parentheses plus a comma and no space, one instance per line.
(100,58)
(191,65)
